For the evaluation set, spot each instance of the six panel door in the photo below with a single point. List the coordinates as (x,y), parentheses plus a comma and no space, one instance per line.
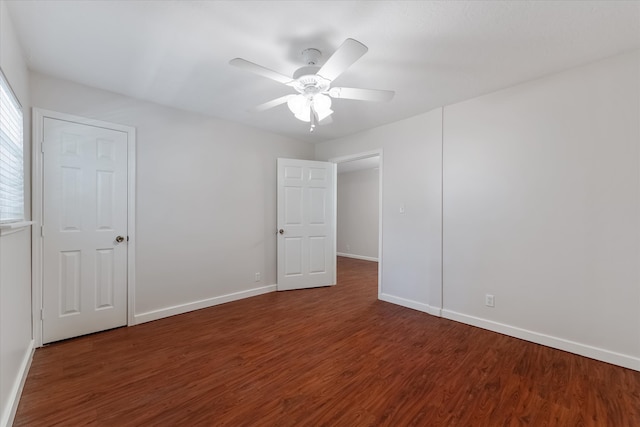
(84,217)
(306,224)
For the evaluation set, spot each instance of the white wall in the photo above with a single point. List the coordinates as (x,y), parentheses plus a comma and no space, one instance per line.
(15,248)
(541,191)
(542,209)
(358,213)
(206,198)
(411,170)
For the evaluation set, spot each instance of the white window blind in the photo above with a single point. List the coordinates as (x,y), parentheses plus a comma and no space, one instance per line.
(11,156)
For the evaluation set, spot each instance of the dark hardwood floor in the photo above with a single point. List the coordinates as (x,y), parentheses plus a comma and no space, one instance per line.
(320,357)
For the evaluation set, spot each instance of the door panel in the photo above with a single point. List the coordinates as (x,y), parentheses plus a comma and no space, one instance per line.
(293,206)
(84,210)
(306,216)
(104,278)
(69,282)
(317,255)
(293,256)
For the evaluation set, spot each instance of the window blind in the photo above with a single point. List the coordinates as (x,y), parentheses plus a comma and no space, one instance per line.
(11,156)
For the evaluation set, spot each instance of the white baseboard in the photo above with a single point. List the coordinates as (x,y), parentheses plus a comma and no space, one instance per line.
(420,306)
(366,258)
(548,340)
(197,305)
(9,412)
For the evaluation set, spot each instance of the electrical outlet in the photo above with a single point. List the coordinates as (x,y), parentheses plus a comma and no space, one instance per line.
(489,300)
(258,277)
(348,248)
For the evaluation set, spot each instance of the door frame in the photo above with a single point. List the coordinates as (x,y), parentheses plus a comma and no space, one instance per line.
(359,156)
(38,116)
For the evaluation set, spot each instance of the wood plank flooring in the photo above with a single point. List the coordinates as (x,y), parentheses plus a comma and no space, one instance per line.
(321,357)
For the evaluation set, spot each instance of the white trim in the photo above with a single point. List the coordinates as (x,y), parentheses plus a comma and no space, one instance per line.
(597,353)
(38,116)
(14,227)
(334,225)
(197,305)
(420,306)
(380,222)
(131,225)
(358,156)
(354,256)
(441,206)
(37,132)
(16,390)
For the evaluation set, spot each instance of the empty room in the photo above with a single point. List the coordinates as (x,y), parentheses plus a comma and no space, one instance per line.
(319,213)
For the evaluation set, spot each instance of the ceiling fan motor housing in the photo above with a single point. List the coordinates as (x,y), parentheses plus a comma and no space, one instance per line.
(308,83)
(308,70)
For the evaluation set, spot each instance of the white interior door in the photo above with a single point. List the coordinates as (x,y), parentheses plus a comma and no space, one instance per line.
(306,224)
(84,229)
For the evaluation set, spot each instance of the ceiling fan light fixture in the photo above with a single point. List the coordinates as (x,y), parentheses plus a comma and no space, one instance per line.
(322,105)
(301,106)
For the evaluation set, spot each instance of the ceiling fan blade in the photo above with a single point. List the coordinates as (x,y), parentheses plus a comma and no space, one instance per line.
(260,70)
(270,104)
(361,94)
(348,53)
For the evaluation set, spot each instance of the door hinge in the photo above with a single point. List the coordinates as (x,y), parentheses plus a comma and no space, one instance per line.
(42,231)
(42,147)
(41,314)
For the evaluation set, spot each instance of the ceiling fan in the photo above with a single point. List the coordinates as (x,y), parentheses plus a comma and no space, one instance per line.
(313,83)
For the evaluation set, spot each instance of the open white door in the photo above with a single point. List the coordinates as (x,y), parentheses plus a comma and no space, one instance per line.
(84,229)
(306,224)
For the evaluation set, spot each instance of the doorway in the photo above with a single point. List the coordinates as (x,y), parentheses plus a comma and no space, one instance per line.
(359,208)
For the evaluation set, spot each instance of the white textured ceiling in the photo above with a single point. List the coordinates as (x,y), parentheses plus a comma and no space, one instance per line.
(436,53)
